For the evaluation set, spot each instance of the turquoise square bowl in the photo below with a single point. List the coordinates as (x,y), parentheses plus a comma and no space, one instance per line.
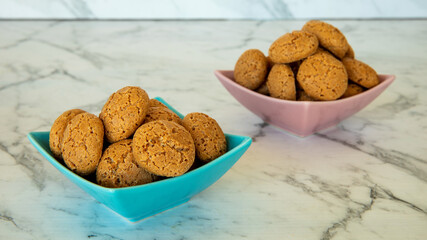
(139,202)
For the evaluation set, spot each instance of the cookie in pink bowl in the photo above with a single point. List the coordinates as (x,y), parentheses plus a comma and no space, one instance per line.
(301,118)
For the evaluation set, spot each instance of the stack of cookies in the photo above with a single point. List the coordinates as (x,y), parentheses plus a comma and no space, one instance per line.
(315,63)
(135,140)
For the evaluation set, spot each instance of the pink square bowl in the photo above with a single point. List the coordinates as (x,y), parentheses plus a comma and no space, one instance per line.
(301,118)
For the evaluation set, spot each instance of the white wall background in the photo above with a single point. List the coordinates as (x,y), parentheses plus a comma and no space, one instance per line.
(211,9)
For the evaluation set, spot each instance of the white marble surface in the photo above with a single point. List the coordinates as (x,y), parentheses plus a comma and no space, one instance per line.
(363,179)
(211,9)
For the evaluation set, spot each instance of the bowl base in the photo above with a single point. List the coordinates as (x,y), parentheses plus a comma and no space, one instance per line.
(301,118)
(149,215)
(302,136)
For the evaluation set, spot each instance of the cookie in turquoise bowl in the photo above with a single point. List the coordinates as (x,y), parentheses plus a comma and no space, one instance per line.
(138,202)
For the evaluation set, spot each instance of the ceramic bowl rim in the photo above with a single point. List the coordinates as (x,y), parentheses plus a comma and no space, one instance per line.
(388,77)
(188,174)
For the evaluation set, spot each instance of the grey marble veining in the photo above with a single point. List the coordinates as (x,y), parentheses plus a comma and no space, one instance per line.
(365,178)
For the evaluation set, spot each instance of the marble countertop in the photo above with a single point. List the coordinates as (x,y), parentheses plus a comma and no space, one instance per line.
(210,9)
(366,178)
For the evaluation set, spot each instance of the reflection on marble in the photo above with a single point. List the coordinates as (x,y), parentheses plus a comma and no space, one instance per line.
(363,179)
(210,9)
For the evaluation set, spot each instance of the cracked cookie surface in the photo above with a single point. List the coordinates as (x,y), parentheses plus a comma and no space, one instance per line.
(208,136)
(163,148)
(118,168)
(329,37)
(361,73)
(124,112)
(82,143)
(322,76)
(251,69)
(281,82)
(57,131)
(293,46)
(161,113)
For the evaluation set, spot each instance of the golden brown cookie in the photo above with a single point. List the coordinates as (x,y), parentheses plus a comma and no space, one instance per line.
(350,52)
(322,76)
(329,37)
(57,131)
(207,134)
(251,69)
(117,167)
(156,103)
(163,148)
(82,143)
(352,89)
(161,113)
(263,89)
(124,112)
(293,46)
(281,82)
(360,73)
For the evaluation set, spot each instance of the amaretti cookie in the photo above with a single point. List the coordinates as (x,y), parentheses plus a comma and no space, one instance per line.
(117,167)
(145,141)
(57,131)
(263,89)
(350,52)
(281,82)
(161,113)
(124,112)
(251,69)
(163,148)
(322,76)
(293,46)
(329,37)
(156,103)
(82,143)
(360,73)
(352,89)
(208,136)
